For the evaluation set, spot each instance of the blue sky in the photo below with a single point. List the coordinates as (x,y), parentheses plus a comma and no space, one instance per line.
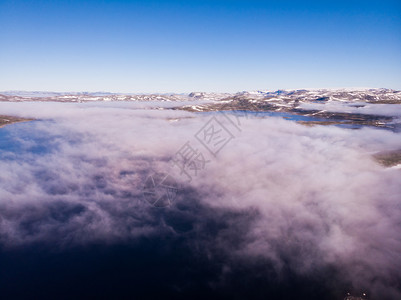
(183,46)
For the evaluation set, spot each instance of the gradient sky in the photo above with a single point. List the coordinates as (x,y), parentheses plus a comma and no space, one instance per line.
(183,46)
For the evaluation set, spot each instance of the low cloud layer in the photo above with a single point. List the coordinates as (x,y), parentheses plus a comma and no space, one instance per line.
(279,197)
(392,110)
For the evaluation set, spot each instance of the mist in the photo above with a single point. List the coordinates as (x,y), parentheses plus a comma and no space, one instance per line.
(281,204)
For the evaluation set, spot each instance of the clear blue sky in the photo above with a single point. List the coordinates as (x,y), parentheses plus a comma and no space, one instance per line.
(183,46)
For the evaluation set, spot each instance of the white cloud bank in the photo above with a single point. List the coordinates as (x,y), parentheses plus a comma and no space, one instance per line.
(392,110)
(310,198)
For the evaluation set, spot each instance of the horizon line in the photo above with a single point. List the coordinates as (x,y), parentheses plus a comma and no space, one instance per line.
(200,91)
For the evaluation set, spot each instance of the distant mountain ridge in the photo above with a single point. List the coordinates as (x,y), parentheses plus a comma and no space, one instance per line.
(371,95)
(354,108)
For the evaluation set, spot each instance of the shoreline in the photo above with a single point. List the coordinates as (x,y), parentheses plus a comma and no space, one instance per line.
(8,120)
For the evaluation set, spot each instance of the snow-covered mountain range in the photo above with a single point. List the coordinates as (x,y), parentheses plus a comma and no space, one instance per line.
(345,107)
(286,96)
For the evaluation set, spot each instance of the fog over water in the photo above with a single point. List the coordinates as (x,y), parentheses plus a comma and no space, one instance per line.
(282,211)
